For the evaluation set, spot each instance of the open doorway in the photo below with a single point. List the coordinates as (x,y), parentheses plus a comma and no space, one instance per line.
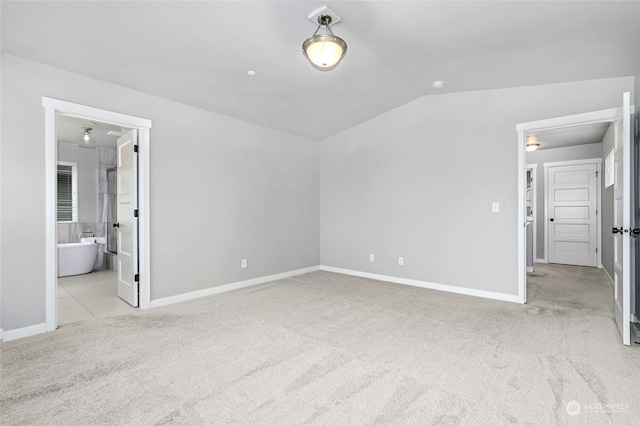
(618,124)
(61,114)
(564,253)
(86,214)
(570,141)
(567,164)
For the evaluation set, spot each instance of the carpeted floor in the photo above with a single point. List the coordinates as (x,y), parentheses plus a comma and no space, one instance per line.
(325,348)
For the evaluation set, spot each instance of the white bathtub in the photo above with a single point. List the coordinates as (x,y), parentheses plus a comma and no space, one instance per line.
(76,258)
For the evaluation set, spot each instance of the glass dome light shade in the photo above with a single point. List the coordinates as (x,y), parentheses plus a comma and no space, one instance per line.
(532,147)
(324,51)
(86,139)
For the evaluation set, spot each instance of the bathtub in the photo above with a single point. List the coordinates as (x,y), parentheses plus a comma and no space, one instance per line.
(76,258)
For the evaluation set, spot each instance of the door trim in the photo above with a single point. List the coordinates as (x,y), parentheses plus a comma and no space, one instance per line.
(598,163)
(52,108)
(607,115)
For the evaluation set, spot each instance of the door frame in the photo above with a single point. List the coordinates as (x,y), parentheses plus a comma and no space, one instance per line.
(635,201)
(598,163)
(54,107)
(534,216)
(607,115)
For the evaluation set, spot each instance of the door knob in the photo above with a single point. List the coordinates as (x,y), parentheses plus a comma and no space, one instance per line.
(634,232)
(617,230)
(116,225)
(551,220)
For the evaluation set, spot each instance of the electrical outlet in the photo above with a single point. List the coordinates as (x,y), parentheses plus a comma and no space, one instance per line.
(372,258)
(244,263)
(401,261)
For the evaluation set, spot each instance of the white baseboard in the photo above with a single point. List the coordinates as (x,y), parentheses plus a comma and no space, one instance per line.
(529,268)
(19,333)
(540,261)
(228,287)
(424,284)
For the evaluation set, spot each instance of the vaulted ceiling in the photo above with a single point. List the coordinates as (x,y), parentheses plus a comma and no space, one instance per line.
(198,53)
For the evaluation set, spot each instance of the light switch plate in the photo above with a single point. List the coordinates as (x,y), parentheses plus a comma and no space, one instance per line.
(495,207)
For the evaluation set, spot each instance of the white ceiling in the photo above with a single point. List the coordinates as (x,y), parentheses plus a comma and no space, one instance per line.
(569,136)
(69,129)
(198,53)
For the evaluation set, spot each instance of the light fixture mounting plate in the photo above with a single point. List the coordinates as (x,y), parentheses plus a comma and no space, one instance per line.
(324,10)
(325,20)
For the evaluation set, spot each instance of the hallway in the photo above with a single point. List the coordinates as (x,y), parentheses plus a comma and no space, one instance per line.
(564,290)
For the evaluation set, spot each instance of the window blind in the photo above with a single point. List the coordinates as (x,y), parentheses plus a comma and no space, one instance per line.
(67,187)
(609,170)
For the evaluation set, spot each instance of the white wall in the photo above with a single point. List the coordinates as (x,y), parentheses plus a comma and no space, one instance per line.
(419,181)
(87,161)
(221,190)
(577,152)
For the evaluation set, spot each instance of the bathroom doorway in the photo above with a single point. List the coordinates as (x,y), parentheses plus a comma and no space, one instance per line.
(95,290)
(86,213)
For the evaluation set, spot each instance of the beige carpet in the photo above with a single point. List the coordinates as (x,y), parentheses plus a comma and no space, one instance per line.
(324,348)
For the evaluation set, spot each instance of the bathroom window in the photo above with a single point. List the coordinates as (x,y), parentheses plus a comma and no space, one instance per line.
(67,207)
(609,169)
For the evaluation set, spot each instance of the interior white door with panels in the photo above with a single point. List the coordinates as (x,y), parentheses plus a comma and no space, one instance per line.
(572,203)
(127,218)
(622,220)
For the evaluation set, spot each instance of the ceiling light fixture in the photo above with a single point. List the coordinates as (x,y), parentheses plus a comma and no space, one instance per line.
(324,51)
(438,84)
(532,145)
(87,139)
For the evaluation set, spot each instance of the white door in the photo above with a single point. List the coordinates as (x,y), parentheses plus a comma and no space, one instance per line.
(127,205)
(622,220)
(572,202)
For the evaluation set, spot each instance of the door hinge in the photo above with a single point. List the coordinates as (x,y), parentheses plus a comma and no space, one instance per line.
(135,148)
(136,278)
(596,171)
(135,213)
(596,249)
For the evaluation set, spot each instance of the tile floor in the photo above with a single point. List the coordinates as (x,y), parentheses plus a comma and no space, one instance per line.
(94,295)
